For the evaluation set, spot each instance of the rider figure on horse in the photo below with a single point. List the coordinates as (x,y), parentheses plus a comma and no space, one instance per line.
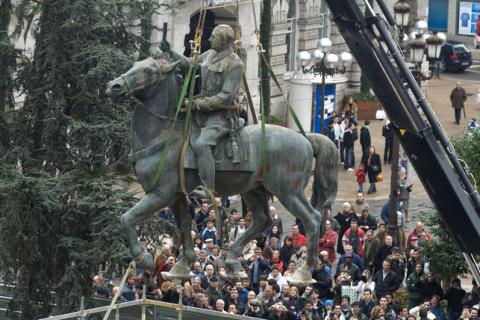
(221,74)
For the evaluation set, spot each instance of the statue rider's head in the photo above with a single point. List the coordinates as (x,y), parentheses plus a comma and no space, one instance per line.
(222,37)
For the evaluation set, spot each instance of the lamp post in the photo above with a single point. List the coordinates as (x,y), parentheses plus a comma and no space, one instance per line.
(324,63)
(419,43)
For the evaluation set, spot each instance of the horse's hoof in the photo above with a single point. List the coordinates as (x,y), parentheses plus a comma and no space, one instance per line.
(301,278)
(176,277)
(233,276)
(145,260)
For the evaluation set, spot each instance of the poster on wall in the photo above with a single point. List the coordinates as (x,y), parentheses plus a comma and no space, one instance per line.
(468,14)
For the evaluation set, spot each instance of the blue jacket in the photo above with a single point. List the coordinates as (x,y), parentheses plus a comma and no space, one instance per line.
(384,212)
(357,260)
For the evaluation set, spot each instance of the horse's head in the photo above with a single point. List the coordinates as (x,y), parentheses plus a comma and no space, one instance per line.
(141,76)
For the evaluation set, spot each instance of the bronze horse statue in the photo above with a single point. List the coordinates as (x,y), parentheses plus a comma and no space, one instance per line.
(289,163)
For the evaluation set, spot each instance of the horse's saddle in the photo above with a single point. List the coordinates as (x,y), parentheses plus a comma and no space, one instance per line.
(232,153)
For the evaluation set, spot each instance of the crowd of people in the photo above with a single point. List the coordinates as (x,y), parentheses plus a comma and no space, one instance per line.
(360,273)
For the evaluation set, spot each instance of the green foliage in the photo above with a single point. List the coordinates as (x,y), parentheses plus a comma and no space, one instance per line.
(63,168)
(446,260)
(468,147)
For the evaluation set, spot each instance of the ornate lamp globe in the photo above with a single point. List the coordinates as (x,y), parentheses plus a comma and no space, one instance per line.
(324,45)
(345,59)
(304,57)
(318,55)
(417,49)
(434,45)
(401,11)
(331,60)
(421,26)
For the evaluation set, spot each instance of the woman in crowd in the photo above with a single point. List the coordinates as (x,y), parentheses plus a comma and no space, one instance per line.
(287,250)
(290,270)
(275,232)
(373,165)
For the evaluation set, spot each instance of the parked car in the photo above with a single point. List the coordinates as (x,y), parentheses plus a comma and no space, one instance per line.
(455,56)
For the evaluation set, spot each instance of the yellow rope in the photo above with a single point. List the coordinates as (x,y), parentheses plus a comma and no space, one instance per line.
(197,41)
(131,267)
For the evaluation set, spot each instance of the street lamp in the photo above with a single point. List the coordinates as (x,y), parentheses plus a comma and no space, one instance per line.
(434,45)
(417,49)
(422,43)
(324,63)
(401,10)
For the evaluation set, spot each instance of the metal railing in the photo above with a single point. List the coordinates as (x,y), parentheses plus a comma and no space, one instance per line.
(149,309)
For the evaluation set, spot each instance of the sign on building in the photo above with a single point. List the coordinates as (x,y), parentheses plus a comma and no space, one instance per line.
(468,14)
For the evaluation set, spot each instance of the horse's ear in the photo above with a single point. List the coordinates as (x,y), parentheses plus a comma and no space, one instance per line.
(166,68)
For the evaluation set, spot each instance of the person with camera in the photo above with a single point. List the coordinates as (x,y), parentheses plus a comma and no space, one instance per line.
(323,280)
(278,312)
(254,309)
(308,312)
(257,266)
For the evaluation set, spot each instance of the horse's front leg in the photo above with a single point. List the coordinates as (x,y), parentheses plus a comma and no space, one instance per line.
(145,207)
(183,220)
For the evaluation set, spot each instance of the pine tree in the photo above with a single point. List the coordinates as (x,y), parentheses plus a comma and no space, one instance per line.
(64,174)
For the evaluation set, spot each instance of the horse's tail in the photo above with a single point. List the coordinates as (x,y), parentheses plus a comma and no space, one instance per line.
(325,181)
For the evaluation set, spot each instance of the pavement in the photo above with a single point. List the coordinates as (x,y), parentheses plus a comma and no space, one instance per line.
(437,92)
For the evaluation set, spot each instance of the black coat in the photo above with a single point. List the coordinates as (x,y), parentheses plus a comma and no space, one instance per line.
(387,132)
(285,254)
(390,284)
(323,284)
(432,288)
(344,222)
(365,139)
(454,298)
(374,162)
(369,221)
(348,139)
(382,253)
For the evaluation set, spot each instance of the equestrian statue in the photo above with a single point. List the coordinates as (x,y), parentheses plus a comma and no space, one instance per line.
(223,157)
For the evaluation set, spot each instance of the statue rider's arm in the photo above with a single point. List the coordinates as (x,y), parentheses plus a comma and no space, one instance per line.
(184,61)
(233,79)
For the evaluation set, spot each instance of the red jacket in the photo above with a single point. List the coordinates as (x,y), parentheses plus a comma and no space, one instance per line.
(327,242)
(358,248)
(415,233)
(360,173)
(300,240)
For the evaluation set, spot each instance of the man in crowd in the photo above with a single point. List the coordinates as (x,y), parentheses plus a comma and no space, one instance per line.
(297,238)
(458,96)
(386,281)
(343,218)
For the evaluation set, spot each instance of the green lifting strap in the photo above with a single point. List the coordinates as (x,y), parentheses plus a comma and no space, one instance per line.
(186,127)
(264,138)
(289,106)
(163,157)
